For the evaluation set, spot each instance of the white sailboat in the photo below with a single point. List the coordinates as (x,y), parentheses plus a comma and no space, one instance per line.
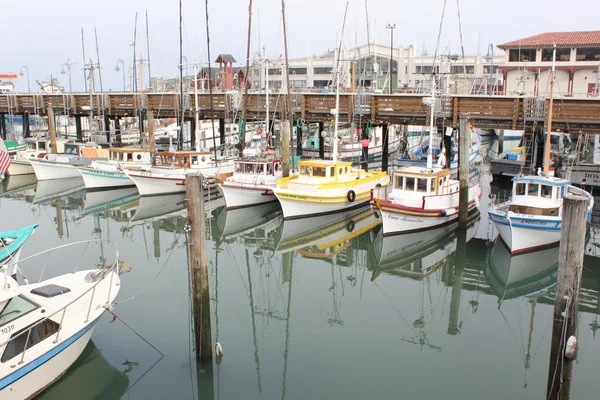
(62,166)
(422,198)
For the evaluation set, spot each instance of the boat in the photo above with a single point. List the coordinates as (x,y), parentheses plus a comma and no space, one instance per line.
(510,276)
(532,217)
(11,243)
(47,325)
(252,182)
(327,186)
(169,177)
(47,191)
(62,166)
(104,200)
(35,148)
(108,174)
(91,377)
(245,223)
(16,183)
(422,198)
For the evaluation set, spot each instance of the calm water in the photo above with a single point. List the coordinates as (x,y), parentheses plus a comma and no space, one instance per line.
(309,309)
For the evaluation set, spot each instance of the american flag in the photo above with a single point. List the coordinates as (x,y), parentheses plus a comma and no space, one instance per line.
(4,162)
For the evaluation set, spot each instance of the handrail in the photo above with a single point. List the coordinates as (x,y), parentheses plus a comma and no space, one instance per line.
(104,271)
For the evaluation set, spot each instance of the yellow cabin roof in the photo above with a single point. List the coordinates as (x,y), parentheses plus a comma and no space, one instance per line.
(324,163)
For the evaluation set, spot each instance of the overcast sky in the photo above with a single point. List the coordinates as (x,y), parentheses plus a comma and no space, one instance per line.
(42,34)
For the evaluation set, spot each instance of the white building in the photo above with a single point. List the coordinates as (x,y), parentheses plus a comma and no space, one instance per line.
(529,61)
(7,87)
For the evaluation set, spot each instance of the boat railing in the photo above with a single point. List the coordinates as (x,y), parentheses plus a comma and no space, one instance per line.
(96,277)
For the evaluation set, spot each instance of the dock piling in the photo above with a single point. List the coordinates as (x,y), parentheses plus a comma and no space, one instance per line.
(194,193)
(500,141)
(386,145)
(78,128)
(52,129)
(464,145)
(321,141)
(565,316)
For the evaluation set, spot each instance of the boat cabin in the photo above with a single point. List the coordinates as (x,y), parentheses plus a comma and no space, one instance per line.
(129,155)
(91,150)
(538,195)
(423,181)
(184,159)
(40,146)
(258,167)
(328,170)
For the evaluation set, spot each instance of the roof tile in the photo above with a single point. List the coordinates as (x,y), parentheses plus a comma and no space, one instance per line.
(586,38)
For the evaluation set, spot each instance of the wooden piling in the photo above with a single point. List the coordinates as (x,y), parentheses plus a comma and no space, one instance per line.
(151,138)
(78,128)
(500,141)
(321,141)
(198,269)
(107,130)
(26,130)
(365,149)
(386,145)
(118,138)
(2,126)
(568,283)
(463,171)
(52,130)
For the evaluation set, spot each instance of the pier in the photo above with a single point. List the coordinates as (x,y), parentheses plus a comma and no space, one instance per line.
(578,115)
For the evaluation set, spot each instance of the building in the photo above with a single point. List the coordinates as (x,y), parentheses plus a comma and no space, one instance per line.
(529,61)
(368,66)
(6,87)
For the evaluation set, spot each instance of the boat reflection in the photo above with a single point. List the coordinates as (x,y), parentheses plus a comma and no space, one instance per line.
(417,255)
(105,200)
(50,190)
(16,183)
(256,226)
(324,236)
(90,377)
(522,274)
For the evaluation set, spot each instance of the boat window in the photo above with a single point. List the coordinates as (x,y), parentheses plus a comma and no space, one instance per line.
(36,334)
(304,170)
(340,171)
(276,167)
(194,160)
(346,169)
(15,308)
(410,183)
(238,167)
(533,189)
(203,159)
(398,184)
(270,169)
(421,185)
(558,194)
(139,157)
(184,160)
(248,168)
(319,172)
(169,159)
(520,189)
(260,169)
(71,150)
(546,191)
(331,171)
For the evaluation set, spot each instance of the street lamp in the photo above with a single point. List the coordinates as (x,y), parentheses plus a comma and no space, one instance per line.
(68,63)
(490,58)
(21,73)
(391,27)
(123,69)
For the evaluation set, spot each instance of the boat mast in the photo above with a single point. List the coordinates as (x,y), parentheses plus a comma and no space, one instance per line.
(431,103)
(196,119)
(268,130)
(181,110)
(549,124)
(336,113)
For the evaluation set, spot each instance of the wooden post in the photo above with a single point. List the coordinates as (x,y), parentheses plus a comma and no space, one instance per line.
(500,141)
(222,132)
(463,171)
(2,126)
(565,318)
(52,129)
(107,129)
(364,149)
(26,130)
(78,128)
(386,143)
(299,138)
(118,138)
(151,139)
(321,141)
(198,270)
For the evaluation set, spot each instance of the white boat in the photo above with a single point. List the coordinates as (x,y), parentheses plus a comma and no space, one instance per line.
(35,148)
(256,223)
(45,326)
(103,200)
(532,217)
(62,166)
(252,182)
(422,198)
(169,177)
(47,191)
(327,186)
(108,174)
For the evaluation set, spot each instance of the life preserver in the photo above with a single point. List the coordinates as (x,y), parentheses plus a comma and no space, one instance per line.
(350,226)
(351,196)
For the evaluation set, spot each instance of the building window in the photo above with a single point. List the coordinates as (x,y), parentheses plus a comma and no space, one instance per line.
(274,71)
(274,84)
(406,69)
(321,84)
(322,70)
(425,69)
(298,71)
(495,70)
(299,84)
(522,55)
(588,54)
(562,54)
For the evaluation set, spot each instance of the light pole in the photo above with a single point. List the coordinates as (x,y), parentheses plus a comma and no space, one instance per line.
(490,58)
(123,69)
(68,63)
(391,27)
(21,73)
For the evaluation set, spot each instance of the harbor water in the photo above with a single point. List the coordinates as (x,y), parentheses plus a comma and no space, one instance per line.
(320,308)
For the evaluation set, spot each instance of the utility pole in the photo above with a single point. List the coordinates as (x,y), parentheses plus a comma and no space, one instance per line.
(391,27)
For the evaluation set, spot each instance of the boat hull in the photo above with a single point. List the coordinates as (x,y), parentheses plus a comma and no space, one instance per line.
(46,369)
(102,180)
(526,233)
(237,196)
(20,167)
(48,170)
(149,185)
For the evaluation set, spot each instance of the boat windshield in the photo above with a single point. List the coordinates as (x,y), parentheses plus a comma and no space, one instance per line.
(321,172)
(70,149)
(15,308)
